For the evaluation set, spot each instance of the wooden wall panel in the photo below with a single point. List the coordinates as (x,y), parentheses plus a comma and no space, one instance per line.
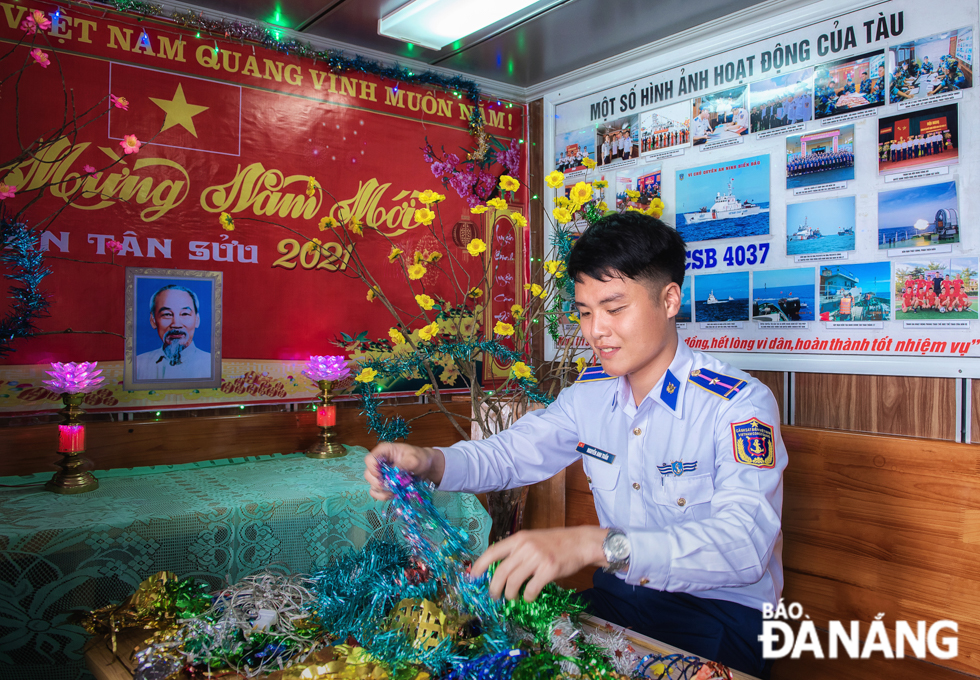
(913,407)
(172,441)
(774,381)
(974,397)
(535,182)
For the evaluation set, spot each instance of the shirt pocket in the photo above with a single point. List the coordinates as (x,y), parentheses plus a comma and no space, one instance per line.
(688,494)
(601,476)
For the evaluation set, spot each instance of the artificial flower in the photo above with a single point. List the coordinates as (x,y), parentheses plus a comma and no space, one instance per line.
(35,21)
(356,226)
(428,197)
(91,171)
(633,208)
(130,144)
(114,246)
(589,163)
(503,328)
(497,203)
(396,336)
(580,364)
(327,223)
(366,375)
(555,268)
(602,206)
(555,179)
(564,202)
(561,215)
(311,186)
(429,332)
(226,221)
(40,57)
(600,184)
(573,317)
(519,219)
(581,193)
(395,252)
(432,257)
(475,293)
(424,216)
(516,310)
(522,371)
(536,290)
(475,247)
(479,209)
(416,272)
(425,302)
(119,102)
(656,208)
(422,390)
(632,194)
(508,183)
(372,293)
(7,191)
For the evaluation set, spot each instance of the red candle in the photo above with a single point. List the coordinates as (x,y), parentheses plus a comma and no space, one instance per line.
(326,415)
(71,438)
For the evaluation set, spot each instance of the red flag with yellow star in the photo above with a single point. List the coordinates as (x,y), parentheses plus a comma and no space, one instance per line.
(176,110)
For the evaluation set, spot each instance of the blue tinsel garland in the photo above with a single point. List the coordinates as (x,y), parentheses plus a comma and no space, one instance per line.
(27,269)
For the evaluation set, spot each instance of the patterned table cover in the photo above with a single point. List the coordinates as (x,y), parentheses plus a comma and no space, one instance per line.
(217,521)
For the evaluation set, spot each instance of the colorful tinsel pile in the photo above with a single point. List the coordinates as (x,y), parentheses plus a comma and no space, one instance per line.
(406,611)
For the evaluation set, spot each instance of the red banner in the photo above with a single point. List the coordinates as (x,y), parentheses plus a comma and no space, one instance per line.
(224,128)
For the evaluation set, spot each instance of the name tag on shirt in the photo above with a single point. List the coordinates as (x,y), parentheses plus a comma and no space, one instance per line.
(598,454)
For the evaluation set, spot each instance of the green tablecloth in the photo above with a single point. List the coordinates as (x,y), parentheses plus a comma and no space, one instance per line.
(218,521)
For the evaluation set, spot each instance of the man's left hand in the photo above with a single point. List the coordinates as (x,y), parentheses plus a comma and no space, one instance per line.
(539,557)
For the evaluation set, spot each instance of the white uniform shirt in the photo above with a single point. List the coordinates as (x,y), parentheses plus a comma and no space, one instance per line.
(154,365)
(713,529)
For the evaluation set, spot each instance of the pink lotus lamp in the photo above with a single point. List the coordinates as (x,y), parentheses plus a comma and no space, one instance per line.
(324,371)
(73,381)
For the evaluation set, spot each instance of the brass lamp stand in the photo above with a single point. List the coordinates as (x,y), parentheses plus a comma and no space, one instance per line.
(326,419)
(71,443)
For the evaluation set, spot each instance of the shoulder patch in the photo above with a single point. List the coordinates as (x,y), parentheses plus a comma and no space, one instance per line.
(752,441)
(593,373)
(723,386)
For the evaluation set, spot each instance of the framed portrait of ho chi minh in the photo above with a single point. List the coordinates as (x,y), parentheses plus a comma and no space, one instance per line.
(173,329)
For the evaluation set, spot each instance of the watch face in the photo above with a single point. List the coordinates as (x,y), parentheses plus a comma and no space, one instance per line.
(619,547)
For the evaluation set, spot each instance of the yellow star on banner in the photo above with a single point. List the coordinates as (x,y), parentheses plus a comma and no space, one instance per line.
(178,111)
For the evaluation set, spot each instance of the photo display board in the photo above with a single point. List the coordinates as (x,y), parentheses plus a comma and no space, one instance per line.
(820,178)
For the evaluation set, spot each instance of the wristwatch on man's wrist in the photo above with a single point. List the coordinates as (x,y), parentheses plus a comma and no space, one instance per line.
(616,548)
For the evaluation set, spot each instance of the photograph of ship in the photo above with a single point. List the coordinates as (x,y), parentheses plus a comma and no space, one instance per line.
(617,140)
(722,115)
(933,65)
(783,100)
(936,289)
(851,84)
(684,315)
(855,292)
(721,297)
(820,157)
(918,216)
(918,139)
(825,226)
(784,294)
(723,200)
(665,128)
(642,183)
(572,147)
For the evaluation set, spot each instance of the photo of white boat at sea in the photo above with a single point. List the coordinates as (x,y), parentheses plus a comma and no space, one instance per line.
(684,315)
(721,297)
(723,200)
(919,216)
(784,294)
(825,226)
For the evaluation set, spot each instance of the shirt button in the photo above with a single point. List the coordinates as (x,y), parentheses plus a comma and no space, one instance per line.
(637,431)
(636,485)
(588,479)
(681,502)
(644,581)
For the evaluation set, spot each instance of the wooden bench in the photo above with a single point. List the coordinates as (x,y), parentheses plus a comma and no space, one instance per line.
(871,524)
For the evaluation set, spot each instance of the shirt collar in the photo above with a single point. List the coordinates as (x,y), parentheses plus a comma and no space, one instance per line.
(676,374)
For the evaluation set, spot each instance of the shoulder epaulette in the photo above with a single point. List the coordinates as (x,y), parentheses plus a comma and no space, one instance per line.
(724,386)
(592,374)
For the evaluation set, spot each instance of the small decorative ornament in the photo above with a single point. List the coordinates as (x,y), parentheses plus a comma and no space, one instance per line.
(73,381)
(324,371)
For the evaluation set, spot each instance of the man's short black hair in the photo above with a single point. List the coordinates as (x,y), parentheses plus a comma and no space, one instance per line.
(631,244)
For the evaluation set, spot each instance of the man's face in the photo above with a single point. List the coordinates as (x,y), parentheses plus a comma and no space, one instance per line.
(629,328)
(174,317)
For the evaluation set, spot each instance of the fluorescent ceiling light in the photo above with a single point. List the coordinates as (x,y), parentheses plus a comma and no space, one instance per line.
(437,23)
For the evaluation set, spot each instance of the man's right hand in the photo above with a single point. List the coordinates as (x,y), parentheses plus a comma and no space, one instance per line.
(427,463)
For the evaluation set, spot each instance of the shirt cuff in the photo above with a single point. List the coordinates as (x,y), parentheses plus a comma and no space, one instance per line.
(650,557)
(454,473)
